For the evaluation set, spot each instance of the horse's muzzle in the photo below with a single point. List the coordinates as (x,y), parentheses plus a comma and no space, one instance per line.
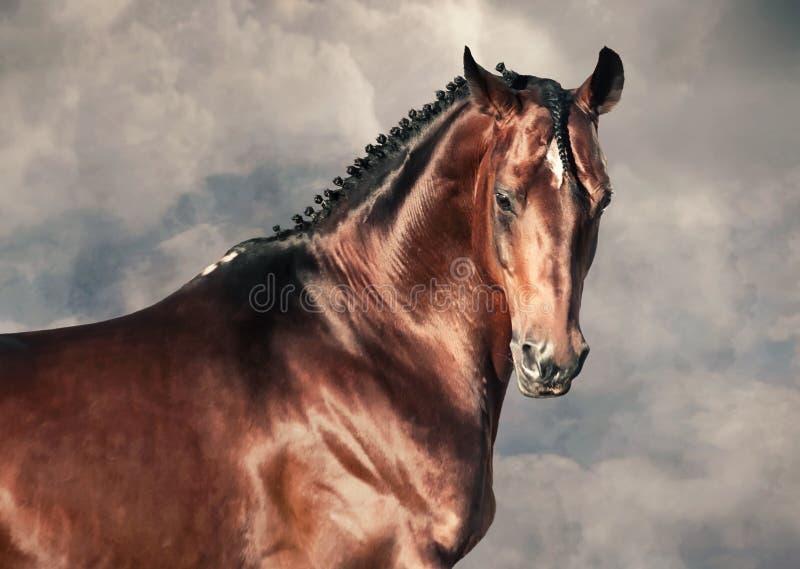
(539,376)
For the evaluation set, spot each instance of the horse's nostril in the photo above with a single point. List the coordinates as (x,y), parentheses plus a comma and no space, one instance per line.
(530,359)
(538,363)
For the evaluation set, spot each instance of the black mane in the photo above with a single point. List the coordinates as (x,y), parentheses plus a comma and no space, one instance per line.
(381,158)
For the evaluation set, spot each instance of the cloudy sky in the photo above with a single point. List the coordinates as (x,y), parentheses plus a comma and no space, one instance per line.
(139,140)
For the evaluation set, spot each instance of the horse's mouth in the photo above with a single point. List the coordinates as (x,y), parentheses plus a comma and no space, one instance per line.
(537,389)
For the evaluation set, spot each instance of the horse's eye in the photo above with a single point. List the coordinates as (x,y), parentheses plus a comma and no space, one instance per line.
(503,201)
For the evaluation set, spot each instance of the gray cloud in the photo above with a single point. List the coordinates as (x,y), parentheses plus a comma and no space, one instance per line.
(142,139)
(126,106)
(721,497)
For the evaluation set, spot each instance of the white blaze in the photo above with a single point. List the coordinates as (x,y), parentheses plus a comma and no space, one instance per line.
(554,162)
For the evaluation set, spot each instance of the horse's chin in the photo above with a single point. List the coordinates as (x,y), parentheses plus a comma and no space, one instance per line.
(530,387)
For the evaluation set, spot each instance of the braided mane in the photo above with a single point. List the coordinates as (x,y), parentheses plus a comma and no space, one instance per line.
(389,147)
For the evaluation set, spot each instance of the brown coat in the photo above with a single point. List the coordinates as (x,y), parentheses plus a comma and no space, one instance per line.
(215,429)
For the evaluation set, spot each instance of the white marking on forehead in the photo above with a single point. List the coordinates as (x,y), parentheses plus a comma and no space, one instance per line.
(229,257)
(554,162)
(209,269)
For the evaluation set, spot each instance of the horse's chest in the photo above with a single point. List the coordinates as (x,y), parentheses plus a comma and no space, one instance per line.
(348,490)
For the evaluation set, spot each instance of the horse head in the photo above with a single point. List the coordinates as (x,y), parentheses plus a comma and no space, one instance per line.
(541,189)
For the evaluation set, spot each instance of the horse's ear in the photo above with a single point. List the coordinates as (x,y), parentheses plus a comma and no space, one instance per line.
(603,89)
(489,91)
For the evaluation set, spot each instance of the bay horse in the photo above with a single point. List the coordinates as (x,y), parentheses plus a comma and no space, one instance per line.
(327,397)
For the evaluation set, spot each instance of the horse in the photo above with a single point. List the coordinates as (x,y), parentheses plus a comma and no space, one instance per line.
(328,396)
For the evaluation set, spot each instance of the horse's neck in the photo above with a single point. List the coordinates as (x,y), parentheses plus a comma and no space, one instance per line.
(409,230)
(410,243)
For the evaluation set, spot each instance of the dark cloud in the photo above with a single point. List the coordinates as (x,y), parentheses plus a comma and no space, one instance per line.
(142,139)
(761,38)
